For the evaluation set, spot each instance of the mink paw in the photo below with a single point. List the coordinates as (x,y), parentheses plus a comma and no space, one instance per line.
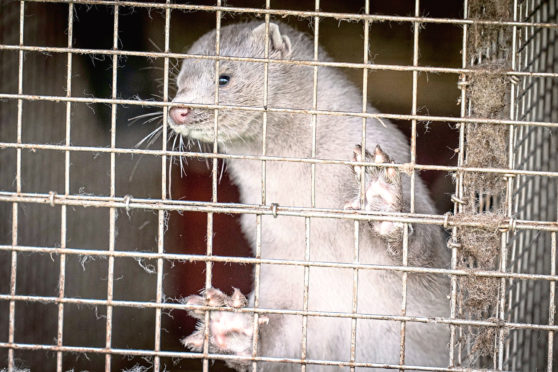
(383,192)
(230,332)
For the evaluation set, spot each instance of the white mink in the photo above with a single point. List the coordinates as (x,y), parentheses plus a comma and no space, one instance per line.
(289,184)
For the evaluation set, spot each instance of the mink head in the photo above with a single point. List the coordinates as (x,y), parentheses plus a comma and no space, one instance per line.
(240,82)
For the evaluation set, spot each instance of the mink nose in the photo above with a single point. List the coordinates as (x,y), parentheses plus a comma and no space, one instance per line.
(179,114)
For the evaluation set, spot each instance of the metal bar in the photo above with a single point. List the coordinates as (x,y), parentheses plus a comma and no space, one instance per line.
(13,271)
(307,220)
(307,14)
(170,354)
(270,109)
(210,215)
(407,167)
(236,208)
(257,275)
(458,207)
(63,208)
(518,246)
(263,196)
(505,236)
(162,215)
(261,310)
(362,184)
(350,65)
(112,210)
(413,155)
(246,260)
(551,303)
(553,236)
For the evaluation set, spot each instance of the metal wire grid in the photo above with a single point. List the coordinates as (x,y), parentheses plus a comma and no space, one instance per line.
(534,198)
(467,342)
(526,224)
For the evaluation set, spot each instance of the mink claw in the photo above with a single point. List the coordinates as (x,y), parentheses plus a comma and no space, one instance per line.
(237,300)
(208,297)
(390,174)
(357,156)
(193,342)
(229,331)
(214,297)
(195,301)
(383,192)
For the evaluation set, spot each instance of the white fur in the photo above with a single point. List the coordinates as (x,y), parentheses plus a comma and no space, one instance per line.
(289,184)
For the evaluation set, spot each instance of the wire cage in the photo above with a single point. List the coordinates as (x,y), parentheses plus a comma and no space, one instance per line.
(534,198)
(102,236)
(519,197)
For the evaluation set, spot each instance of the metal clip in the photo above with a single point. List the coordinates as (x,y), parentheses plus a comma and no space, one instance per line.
(51,196)
(127,199)
(455,199)
(274,209)
(453,243)
(514,79)
(510,226)
(446,219)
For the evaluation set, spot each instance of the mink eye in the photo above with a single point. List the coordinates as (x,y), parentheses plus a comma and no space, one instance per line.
(224,80)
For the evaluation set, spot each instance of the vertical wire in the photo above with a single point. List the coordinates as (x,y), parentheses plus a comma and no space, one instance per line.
(509,199)
(553,241)
(354,309)
(517,244)
(552,305)
(526,115)
(513,298)
(13,272)
(535,192)
(214,179)
(257,255)
(307,220)
(304,345)
(458,191)
(356,255)
(162,215)
(265,103)
(416,28)
(63,217)
(543,185)
(257,271)
(315,101)
(519,336)
(112,212)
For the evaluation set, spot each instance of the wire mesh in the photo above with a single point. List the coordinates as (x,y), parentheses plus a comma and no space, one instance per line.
(521,326)
(534,198)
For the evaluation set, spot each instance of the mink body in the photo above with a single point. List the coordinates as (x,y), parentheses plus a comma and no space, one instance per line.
(289,184)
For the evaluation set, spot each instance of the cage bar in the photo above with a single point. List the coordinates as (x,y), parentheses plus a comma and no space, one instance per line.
(519,325)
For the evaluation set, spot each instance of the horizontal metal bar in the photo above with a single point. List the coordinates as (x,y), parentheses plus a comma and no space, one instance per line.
(306,14)
(406,167)
(266,311)
(189,355)
(129,202)
(369,66)
(32,97)
(268,261)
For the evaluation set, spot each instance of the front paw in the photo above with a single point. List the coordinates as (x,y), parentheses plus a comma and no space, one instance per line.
(229,332)
(382,191)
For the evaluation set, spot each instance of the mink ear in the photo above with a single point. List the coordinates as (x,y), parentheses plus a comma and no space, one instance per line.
(279,45)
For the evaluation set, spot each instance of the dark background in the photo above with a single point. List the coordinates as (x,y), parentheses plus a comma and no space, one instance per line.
(42,171)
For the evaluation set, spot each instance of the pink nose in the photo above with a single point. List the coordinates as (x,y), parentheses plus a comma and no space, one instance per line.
(179,114)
